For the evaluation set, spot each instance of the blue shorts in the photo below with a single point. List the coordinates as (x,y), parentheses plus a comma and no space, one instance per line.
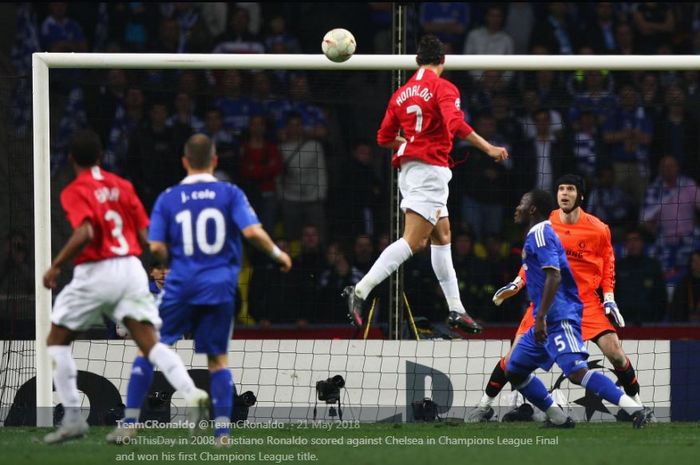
(564,345)
(211,325)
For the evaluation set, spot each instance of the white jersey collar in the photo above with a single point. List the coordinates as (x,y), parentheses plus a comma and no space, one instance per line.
(200,177)
(539,225)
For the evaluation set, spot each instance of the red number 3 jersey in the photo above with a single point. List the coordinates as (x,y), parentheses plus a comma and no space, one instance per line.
(427,109)
(111,206)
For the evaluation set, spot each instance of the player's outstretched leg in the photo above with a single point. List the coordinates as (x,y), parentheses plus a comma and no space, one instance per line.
(603,387)
(534,391)
(139,383)
(609,344)
(170,364)
(484,411)
(65,378)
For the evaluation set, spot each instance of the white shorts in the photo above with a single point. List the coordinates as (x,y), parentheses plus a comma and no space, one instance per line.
(424,189)
(115,287)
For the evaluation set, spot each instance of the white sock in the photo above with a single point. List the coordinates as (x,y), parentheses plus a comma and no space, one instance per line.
(556,415)
(167,361)
(486,401)
(390,259)
(65,379)
(441,258)
(629,404)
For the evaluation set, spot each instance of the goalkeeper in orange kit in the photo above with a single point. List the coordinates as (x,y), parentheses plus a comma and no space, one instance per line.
(588,247)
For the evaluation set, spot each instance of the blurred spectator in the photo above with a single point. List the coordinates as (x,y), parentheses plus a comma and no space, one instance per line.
(650,91)
(254,15)
(586,145)
(639,283)
(491,83)
(489,39)
(357,194)
(331,283)
(610,203)
(484,192)
(447,20)
(600,35)
(226,144)
(690,83)
(624,39)
(506,122)
(132,23)
(531,104)
(194,33)
(127,118)
(184,121)
(545,157)
(556,31)
(59,33)
(670,204)
(654,22)
(381,18)
(238,38)
(685,306)
(16,271)
(260,165)
(627,135)
(313,117)
(520,18)
(153,149)
(304,181)
(168,37)
(592,91)
(236,107)
(214,15)
(363,255)
(273,295)
(676,132)
(470,276)
(278,38)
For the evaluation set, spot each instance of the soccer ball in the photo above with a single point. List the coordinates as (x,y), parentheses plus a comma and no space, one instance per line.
(338,45)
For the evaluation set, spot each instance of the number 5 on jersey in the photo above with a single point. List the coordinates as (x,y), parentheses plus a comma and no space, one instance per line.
(198,226)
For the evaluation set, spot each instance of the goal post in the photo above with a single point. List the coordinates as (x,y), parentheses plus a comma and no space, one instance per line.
(42,62)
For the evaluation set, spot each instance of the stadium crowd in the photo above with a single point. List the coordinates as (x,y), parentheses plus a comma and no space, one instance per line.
(317,180)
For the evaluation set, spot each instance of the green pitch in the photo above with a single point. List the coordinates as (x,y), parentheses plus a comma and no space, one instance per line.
(384,444)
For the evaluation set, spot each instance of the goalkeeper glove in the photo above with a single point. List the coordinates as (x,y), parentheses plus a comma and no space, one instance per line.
(508,291)
(612,311)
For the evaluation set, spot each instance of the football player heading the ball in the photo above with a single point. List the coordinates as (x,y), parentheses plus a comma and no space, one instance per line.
(427,111)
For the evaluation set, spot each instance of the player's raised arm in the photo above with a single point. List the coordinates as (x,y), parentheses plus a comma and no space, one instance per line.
(256,235)
(497,153)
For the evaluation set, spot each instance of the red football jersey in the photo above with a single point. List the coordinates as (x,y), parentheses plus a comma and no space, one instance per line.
(111,206)
(427,109)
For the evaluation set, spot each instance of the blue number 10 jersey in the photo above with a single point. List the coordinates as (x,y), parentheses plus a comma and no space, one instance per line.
(544,250)
(201,221)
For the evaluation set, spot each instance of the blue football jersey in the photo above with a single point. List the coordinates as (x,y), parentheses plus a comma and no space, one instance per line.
(544,250)
(201,221)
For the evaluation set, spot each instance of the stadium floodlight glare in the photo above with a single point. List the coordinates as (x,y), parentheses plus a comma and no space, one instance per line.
(41,62)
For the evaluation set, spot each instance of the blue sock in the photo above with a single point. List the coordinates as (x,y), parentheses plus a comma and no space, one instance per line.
(535,392)
(221,389)
(139,383)
(602,386)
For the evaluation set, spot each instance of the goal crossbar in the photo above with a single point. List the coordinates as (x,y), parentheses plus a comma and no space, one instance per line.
(42,62)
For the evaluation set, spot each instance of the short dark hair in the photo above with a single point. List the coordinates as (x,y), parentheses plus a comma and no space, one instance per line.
(430,51)
(85,147)
(542,201)
(199,151)
(573,180)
